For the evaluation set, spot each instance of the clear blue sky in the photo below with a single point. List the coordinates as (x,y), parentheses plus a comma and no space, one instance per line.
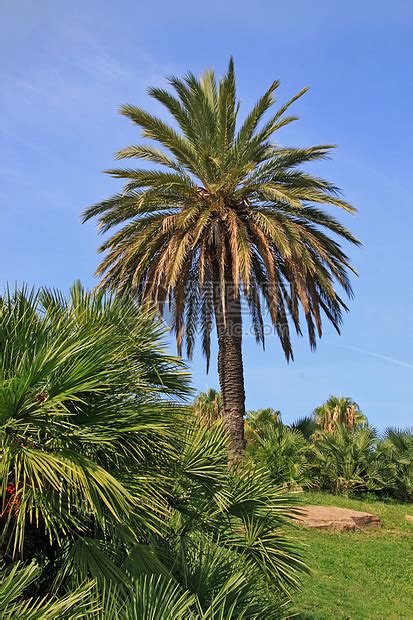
(67,66)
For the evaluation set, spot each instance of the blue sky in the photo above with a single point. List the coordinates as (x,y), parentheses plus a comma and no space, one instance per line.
(67,66)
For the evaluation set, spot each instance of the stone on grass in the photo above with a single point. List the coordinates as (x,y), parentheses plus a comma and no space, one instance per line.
(339,519)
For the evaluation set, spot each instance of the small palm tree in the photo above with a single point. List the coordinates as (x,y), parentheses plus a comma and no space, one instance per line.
(257,422)
(399,443)
(229,215)
(339,410)
(283,452)
(352,460)
(208,406)
(86,428)
(306,425)
(112,487)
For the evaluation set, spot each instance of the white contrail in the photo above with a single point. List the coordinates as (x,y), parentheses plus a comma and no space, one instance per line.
(378,355)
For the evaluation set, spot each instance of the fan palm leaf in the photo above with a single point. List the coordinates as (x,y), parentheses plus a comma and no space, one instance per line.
(15,604)
(108,479)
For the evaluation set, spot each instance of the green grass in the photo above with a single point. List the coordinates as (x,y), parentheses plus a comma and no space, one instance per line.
(359,575)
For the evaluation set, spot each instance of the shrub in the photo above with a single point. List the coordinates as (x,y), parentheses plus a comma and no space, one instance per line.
(340,457)
(339,410)
(352,461)
(208,406)
(399,446)
(283,453)
(107,479)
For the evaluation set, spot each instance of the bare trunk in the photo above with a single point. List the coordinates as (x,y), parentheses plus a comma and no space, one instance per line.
(230,368)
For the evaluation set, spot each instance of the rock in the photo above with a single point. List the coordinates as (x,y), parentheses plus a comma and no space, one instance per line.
(409,518)
(334,518)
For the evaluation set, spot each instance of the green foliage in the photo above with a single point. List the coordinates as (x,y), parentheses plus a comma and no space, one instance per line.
(208,406)
(358,460)
(306,425)
(108,480)
(14,604)
(258,421)
(399,446)
(334,450)
(83,389)
(283,452)
(339,410)
(351,461)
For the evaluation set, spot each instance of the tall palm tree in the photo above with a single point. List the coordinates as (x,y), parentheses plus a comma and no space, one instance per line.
(228,216)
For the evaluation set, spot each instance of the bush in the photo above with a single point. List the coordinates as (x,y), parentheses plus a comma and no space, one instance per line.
(342,460)
(355,461)
(348,457)
(283,453)
(399,446)
(108,480)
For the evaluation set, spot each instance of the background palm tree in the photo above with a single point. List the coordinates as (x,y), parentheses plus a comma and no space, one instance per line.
(353,460)
(228,216)
(208,406)
(400,443)
(339,410)
(259,420)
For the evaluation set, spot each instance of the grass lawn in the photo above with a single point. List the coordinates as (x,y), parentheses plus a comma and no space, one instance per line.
(359,575)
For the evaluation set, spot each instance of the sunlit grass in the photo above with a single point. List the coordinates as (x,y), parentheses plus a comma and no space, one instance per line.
(359,575)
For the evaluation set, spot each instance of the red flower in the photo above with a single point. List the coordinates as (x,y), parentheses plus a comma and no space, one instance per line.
(11,489)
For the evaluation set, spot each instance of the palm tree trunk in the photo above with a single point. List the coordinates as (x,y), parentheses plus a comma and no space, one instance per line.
(230,367)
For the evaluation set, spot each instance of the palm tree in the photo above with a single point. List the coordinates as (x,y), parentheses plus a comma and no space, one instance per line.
(228,216)
(283,452)
(352,460)
(399,443)
(208,406)
(116,496)
(339,410)
(257,422)
(85,392)
(306,425)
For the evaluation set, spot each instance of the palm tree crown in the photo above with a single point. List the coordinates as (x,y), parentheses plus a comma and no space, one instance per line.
(339,410)
(227,214)
(208,406)
(231,198)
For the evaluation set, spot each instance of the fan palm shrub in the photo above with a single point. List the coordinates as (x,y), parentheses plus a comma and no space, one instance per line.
(306,425)
(226,216)
(256,422)
(284,453)
(106,479)
(14,583)
(86,431)
(399,444)
(352,461)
